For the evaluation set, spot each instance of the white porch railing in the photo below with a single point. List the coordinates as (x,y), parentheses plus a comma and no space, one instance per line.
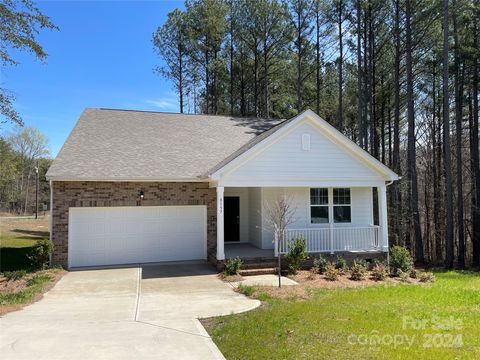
(331,240)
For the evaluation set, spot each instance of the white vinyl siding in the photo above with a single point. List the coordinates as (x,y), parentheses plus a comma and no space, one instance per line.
(286,160)
(255,216)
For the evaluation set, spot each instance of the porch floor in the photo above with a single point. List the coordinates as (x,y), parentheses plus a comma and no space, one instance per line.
(246,250)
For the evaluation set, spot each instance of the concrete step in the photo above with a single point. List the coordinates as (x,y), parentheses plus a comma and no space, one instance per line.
(263,271)
(259,260)
(259,265)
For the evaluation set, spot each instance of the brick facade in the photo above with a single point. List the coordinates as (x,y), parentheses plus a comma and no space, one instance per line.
(99,194)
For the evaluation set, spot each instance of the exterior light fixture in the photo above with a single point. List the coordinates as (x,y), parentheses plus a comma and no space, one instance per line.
(141,195)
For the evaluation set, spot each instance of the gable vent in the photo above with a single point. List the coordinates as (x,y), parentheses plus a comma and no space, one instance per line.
(306,142)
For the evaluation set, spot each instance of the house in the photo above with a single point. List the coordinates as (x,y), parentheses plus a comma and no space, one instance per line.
(138,187)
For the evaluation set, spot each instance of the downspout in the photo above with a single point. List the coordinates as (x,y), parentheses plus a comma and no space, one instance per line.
(388,183)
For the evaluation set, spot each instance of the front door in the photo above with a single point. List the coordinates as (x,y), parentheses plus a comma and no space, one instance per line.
(232,218)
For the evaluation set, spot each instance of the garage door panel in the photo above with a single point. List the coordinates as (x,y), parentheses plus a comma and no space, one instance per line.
(192,226)
(122,235)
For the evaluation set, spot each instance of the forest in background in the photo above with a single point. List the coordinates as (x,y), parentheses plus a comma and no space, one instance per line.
(23,153)
(398,77)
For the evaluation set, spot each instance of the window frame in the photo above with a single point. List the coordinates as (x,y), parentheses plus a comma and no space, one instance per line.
(349,204)
(330,205)
(327,205)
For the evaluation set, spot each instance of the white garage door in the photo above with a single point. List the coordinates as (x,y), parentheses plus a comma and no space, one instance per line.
(127,235)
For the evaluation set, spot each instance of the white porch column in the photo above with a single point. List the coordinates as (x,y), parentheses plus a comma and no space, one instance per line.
(220,229)
(382,216)
(330,218)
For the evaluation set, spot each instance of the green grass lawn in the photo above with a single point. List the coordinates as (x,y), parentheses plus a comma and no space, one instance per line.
(17,236)
(442,321)
(17,242)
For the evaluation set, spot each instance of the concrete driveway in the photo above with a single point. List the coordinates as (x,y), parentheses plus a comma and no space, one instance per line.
(140,312)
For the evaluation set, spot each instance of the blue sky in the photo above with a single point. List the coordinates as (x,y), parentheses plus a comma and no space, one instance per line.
(101,57)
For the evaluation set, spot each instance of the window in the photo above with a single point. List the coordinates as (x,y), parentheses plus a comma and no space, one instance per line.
(342,209)
(319,206)
(320,202)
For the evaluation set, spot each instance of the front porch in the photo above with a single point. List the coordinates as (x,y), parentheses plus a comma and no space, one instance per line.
(332,220)
(246,251)
(255,258)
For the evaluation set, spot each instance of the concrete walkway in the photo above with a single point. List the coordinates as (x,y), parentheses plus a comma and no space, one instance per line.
(264,280)
(128,313)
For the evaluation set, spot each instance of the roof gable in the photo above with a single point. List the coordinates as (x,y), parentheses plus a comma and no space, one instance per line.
(280,156)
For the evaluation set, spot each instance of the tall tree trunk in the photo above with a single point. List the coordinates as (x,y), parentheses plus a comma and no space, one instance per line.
(440,209)
(361,123)
(447,149)
(299,63)
(366,75)
(180,77)
(317,58)
(231,58)
(373,89)
(390,148)
(382,122)
(412,156)
(458,132)
(340,66)
(396,122)
(265,90)
(427,222)
(255,84)
(397,195)
(207,82)
(243,100)
(215,84)
(475,159)
(435,171)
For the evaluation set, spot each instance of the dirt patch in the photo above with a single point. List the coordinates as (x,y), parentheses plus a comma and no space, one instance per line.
(230,278)
(308,282)
(16,286)
(25,227)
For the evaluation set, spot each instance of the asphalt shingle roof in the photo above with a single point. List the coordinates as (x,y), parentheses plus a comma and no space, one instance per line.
(109,144)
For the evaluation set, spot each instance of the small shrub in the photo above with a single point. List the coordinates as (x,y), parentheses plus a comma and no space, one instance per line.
(358,271)
(14,275)
(321,264)
(426,277)
(331,273)
(413,274)
(246,289)
(40,253)
(232,266)
(403,276)
(313,272)
(297,254)
(400,260)
(379,272)
(341,264)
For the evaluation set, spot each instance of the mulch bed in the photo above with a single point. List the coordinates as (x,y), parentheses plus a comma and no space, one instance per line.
(308,281)
(230,278)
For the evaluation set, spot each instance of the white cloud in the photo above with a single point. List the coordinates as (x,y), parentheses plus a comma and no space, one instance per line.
(166,104)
